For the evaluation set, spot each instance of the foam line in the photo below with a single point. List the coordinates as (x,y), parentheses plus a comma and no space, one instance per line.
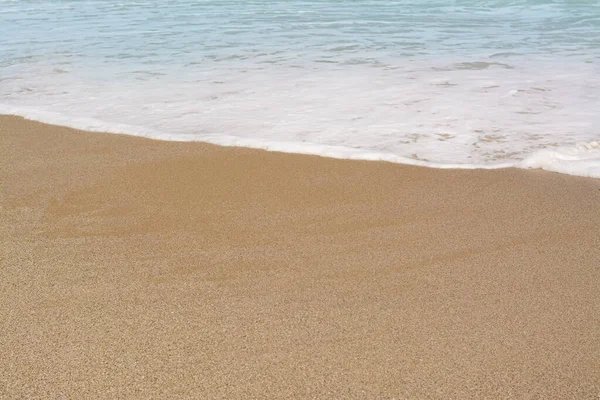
(580,160)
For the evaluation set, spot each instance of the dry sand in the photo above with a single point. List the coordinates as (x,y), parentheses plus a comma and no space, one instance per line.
(133,268)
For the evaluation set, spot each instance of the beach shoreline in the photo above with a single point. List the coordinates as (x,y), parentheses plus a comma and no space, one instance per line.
(136,268)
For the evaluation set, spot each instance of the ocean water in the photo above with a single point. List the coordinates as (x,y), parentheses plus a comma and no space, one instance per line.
(443,83)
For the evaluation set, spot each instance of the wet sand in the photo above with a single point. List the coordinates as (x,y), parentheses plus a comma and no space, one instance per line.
(133,268)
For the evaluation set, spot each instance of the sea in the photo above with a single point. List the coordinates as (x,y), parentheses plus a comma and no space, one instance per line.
(438,83)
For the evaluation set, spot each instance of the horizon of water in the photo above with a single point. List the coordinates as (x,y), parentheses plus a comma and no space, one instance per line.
(449,84)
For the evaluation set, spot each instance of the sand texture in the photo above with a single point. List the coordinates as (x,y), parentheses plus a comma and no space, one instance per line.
(138,269)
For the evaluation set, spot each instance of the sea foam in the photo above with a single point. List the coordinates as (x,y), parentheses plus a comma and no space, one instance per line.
(579,160)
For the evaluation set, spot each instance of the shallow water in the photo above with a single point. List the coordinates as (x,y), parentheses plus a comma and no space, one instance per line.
(440,83)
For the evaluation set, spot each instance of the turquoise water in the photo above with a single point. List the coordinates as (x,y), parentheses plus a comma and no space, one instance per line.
(440,83)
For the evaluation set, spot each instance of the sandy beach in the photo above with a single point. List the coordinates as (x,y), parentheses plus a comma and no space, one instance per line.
(137,269)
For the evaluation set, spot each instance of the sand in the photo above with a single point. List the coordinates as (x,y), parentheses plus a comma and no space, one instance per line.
(134,268)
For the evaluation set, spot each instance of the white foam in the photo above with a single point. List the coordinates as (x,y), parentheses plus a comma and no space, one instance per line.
(415,115)
(580,160)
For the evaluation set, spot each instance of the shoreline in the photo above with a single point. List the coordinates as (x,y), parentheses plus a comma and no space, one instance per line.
(569,160)
(142,268)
